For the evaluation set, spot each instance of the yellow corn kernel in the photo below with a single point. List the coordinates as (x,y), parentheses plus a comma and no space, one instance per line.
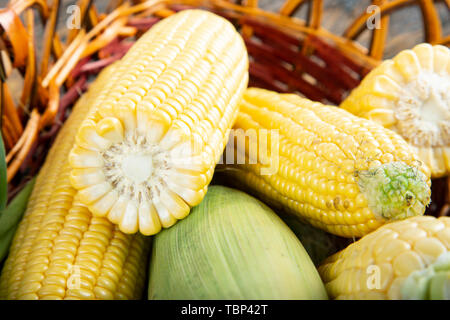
(410,95)
(389,265)
(147,151)
(341,173)
(60,251)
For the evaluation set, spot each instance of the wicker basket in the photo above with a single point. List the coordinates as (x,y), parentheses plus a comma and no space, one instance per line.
(286,54)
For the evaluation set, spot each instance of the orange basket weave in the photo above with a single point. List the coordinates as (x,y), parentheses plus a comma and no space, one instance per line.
(287,54)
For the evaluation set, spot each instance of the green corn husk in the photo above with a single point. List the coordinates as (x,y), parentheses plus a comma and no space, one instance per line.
(11,216)
(232,246)
(318,243)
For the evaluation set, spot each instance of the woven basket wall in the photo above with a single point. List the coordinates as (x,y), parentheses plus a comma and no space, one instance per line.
(287,54)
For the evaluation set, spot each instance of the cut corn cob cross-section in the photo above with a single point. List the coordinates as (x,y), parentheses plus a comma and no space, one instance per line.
(60,251)
(407,259)
(410,94)
(147,153)
(341,173)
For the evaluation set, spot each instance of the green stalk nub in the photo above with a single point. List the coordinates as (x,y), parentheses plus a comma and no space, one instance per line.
(395,190)
(432,283)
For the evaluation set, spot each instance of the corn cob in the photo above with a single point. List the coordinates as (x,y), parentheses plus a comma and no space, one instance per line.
(410,94)
(231,247)
(341,173)
(147,153)
(407,259)
(60,251)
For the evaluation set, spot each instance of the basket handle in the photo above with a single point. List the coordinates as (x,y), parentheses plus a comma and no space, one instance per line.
(431,22)
(315,9)
(289,8)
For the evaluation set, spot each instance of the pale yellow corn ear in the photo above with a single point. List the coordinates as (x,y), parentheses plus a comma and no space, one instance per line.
(147,152)
(341,173)
(407,259)
(410,94)
(60,251)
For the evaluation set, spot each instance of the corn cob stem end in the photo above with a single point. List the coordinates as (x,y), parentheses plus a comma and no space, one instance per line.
(395,190)
(432,283)
(424,110)
(131,177)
